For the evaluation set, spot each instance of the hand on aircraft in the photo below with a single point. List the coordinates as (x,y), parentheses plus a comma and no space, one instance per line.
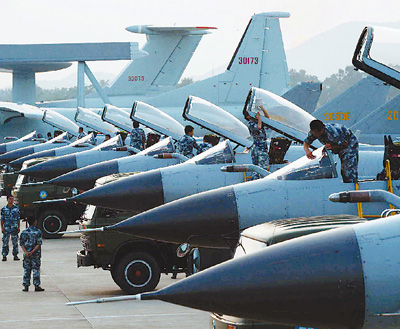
(310,155)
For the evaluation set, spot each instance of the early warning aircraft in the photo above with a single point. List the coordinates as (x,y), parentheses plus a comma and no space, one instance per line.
(259,60)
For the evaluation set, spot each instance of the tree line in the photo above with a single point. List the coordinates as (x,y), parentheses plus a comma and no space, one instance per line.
(332,86)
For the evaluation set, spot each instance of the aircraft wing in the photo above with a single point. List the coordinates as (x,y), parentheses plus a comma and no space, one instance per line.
(9,111)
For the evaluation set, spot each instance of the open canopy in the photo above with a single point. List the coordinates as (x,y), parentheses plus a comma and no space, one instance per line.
(214,118)
(60,122)
(156,120)
(117,117)
(94,121)
(286,118)
(377,53)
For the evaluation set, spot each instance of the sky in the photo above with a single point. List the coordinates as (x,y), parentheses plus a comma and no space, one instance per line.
(54,21)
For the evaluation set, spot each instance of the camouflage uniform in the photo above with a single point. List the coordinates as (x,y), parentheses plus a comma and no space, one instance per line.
(81,135)
(10,218)
(203,147)
(30,238)
(186,144)
(137,136)
(337,134)
(259,149)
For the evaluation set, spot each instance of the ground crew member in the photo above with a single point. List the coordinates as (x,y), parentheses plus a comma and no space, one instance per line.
(81,133)
(259,149)
(186,143)
(341,141)
(138,137)
(49,136)
(31,242)
(204,146)
(10,224)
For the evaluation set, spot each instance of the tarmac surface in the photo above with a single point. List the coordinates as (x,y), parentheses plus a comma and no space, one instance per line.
(64,282)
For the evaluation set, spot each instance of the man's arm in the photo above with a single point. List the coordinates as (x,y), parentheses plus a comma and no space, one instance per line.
(264,111)
(2,226)
(306,148)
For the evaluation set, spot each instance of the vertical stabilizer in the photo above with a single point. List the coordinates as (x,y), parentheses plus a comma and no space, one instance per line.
(169,49)
(305,95)
(260,58)
(385,120)
(355,103)
(259,61)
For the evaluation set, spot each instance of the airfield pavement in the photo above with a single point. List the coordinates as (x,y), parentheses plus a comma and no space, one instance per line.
(64,282)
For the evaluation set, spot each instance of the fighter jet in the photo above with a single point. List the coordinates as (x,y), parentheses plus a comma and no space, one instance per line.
(27,140)
(159,186)
(80,145)
(342,278)
(110,149)
(50,118)
(84,178)
(215,217)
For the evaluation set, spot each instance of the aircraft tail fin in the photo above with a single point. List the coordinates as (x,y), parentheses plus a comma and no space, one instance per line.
(170,50)
(385,120)
(354,103)
(259,61)
(305,95)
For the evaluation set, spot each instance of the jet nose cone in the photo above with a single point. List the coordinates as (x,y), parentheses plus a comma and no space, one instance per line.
(207,219)
(84,178)
(313,281)
(3,148)
(135,193)
(20,161)
(52,168)
(13,155)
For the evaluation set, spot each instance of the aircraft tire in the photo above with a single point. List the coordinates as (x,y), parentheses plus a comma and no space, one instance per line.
(50,222)
(136,272)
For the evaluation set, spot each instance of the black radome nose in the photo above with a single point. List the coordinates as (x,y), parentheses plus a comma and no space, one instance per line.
(85,178)
(52,168)
(206,219)
(13,155)
(313,281)
(135,193)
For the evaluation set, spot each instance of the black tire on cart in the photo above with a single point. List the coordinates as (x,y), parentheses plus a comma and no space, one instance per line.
(136,272)
(50,222)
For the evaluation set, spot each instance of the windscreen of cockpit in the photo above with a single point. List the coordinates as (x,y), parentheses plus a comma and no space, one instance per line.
(215,118)
(279,109)
(308,169)
(164,146)
(219,154)
(110,144)
(384,46)
(30,137)
(157,120)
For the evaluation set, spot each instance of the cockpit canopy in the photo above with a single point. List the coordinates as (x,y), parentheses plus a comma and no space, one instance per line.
(117,117)
(286,118)
(379,60)
(321,167)
(94,121)
(59,121)
(164,146)
(156,120)
(110,144)
(219,154)
(214,118)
